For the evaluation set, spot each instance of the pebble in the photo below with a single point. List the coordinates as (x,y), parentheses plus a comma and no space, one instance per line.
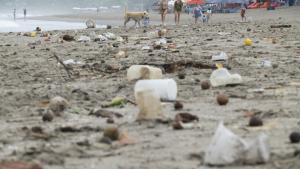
(112,133)
(222,99)
(295,137)
(255,122)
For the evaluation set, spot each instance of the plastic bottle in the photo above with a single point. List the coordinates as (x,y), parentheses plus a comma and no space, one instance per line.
(143,72)
(165,88)
(149,104)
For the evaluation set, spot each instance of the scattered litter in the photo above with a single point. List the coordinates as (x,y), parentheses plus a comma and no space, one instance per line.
(266,64)
(146,47)
(58,104)
(221,57)
(165,88)
(224,33)
(248,42)
(101,38)
(149,104)
(84,39)
(71,62)
(110,36)
(143,72)
(222,77)
(226,148)
(90,24)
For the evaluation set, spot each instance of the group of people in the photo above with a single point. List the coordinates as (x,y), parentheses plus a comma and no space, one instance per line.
(15,13)
(178,6)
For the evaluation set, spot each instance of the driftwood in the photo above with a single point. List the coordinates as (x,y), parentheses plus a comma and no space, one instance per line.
(281,26)
(62,63)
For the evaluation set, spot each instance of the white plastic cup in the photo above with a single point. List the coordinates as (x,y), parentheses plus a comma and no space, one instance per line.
(222,77)
(165,88)
(143,72)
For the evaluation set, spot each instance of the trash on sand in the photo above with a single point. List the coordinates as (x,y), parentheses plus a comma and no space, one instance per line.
(117,101)
(222,77)
(226,148)
(71,62)
(110,36)
(248,42)
(143,72)
(101,38)
(161,41)
(119,39)
(185,121)
(224,33)
(90,24)
(266,64)
(84,39)
(121,54)
(146,47)
(58,104)
(221,57)
(165,88)
(149,104)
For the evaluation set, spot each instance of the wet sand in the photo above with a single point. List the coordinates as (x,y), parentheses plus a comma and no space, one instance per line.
(30,76)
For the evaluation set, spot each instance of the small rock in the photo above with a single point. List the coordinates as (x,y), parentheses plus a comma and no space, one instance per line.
(58,104)
(222,99)
(181,75)
(178,105)
(112,133)
(48,117)
(37,129)
(295,137)
(205,85)
(68,38)
(108,27)
(110,121)
(255,122)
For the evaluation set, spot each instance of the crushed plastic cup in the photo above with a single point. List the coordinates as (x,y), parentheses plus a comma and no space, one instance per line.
(146,47)
(71,62)
(266,64)
(222,77)
(149,104)
(165,88)
(110,36)
(84,39)
(102,38)
(143,72)
(226,148)
(221,57)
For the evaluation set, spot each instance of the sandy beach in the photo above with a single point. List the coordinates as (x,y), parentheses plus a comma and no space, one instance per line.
(30,76)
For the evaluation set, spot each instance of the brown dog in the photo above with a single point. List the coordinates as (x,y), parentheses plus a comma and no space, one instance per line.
(136,16)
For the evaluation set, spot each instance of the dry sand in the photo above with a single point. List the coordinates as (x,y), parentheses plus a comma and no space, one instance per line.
(30,75)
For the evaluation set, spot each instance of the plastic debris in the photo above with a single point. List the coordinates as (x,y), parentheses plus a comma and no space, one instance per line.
(84,39)
(226,148)
(221,57)
(222,77)
(71,62)
(110,36)
(149,104)
(90,24)
(165,88)
(143,72)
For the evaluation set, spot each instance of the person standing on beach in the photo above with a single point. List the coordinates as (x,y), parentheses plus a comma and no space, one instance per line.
(243,14)
(14,13)
(197,12)
(25,13)
(163,10)
(177,10)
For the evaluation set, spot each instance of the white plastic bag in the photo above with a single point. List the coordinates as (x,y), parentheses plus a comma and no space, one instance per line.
(222,77)
(225,148)
(222,56)
(84,39)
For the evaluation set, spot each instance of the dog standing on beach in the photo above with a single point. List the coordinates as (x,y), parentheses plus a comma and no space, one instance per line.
(136,16)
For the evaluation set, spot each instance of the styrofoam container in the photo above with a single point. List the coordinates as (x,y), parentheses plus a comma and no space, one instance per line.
(165,88)
(143,72)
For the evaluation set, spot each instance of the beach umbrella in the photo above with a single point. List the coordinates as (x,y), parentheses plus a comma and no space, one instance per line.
(195,2)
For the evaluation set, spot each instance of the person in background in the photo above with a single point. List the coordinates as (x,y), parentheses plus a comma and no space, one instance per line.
(25,13)
(177,10)
(163,10)
(14,13)
(243,14)
(209,13)
(197,12)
